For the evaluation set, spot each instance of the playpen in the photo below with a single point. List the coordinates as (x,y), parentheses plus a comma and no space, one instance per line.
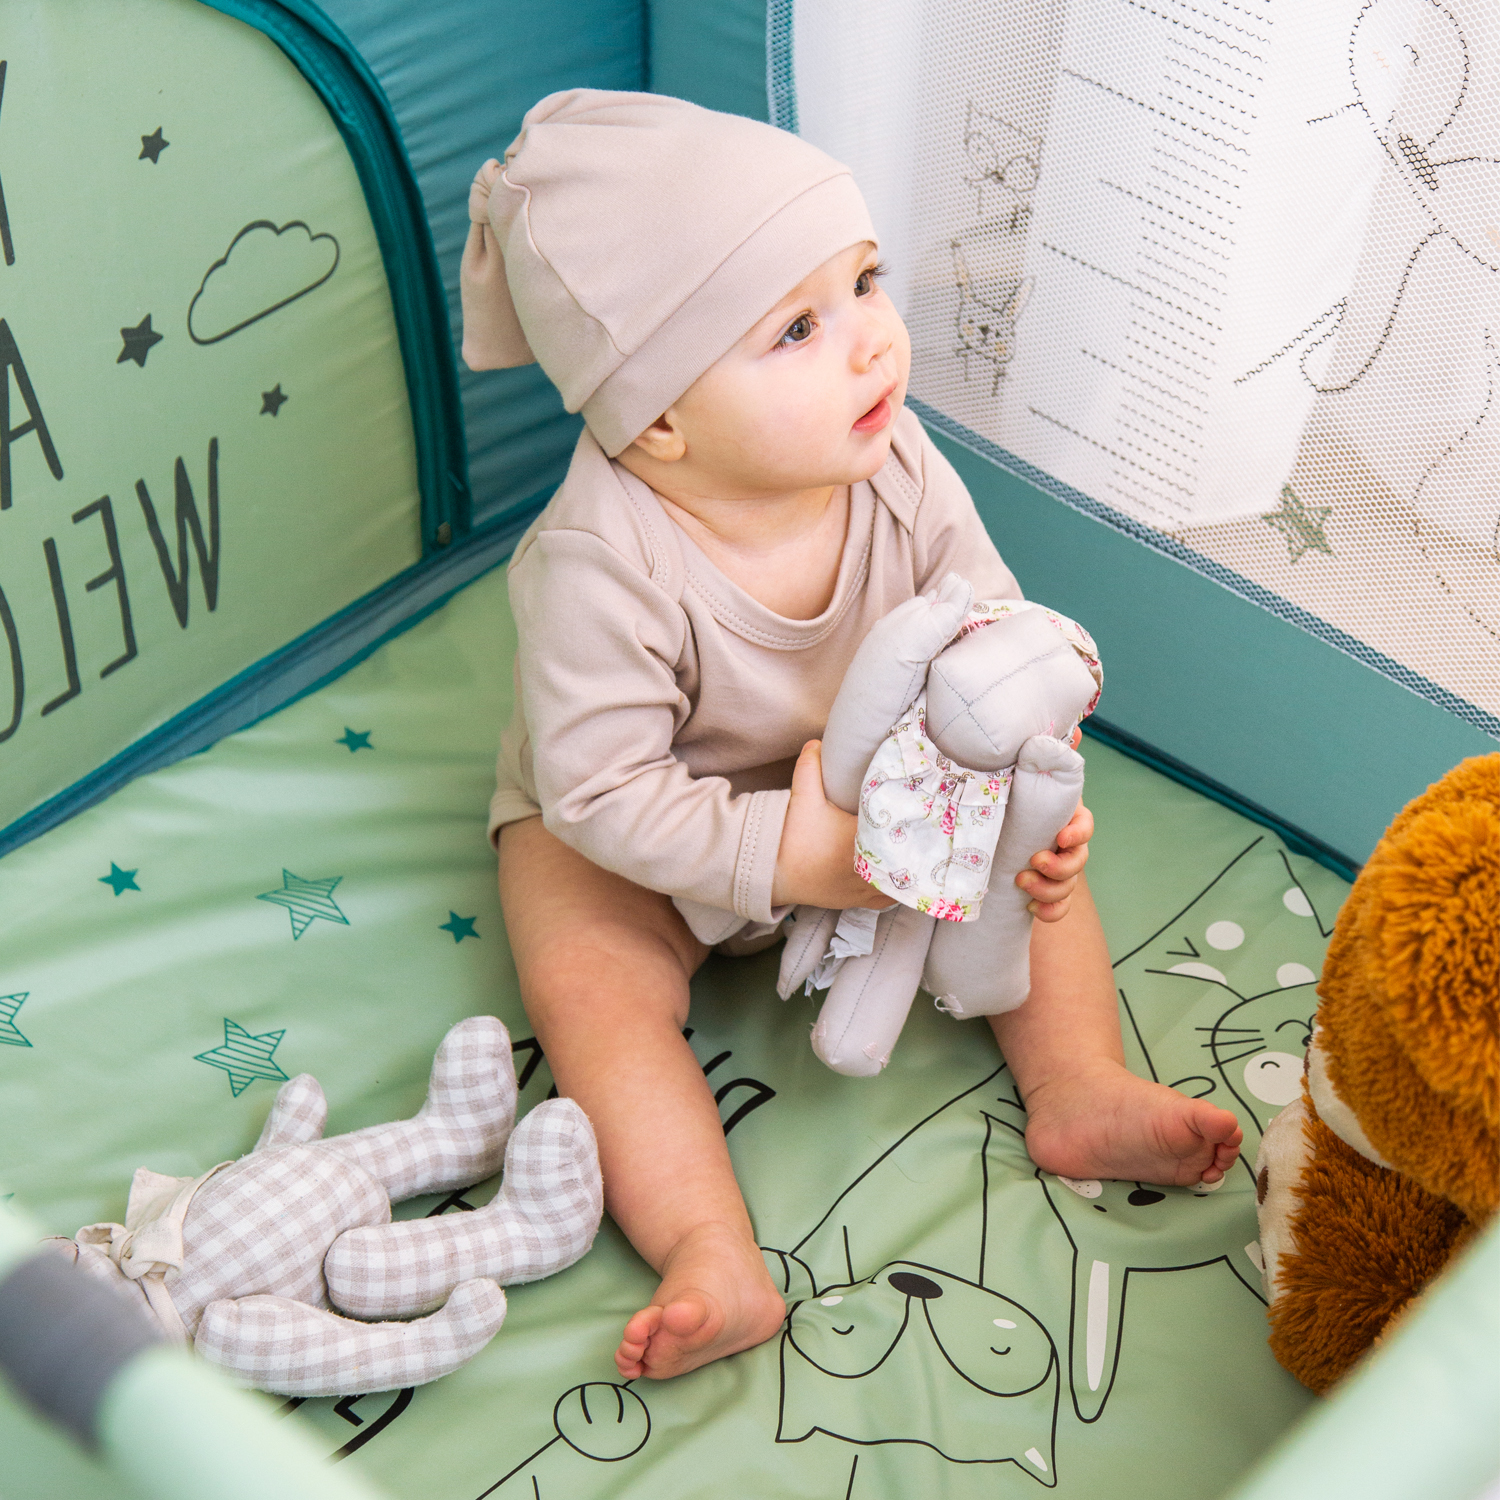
(1204,301)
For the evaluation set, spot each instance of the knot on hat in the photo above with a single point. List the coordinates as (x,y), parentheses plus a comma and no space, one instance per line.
(630,240)
(493,339)
(479,191)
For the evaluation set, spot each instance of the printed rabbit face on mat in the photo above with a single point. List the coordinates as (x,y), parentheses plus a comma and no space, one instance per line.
(1116,1228)
(896,1373)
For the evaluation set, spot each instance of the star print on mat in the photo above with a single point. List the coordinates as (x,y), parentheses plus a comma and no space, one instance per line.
(119,880)
(1301,525)
(244,1057)
(354,740)
(272,401)
(10,1033)
(460,927)
(152,146)
(138,342)
(306,901)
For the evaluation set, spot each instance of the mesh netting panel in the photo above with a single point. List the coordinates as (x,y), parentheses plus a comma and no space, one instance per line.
(1230,270)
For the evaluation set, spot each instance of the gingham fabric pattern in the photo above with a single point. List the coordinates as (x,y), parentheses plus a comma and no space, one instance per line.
(277,1344)
(543,1218)
(298,1115)
(458,1136)
(263,1225)
(251,1292)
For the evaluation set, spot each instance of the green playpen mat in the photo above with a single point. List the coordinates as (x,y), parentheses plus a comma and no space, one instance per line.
(316,894)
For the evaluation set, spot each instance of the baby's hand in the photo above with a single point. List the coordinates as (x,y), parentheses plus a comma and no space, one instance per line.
(1051,877)
(815,863)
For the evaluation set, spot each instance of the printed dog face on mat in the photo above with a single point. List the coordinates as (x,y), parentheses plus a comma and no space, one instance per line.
(916,1355)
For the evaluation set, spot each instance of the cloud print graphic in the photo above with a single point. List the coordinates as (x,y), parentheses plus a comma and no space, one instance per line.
(263,269)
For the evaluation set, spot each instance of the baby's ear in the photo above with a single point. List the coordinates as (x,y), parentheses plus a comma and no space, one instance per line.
(663,439)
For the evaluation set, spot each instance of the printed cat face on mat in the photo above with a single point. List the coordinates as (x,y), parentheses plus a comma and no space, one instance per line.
(1218,1003)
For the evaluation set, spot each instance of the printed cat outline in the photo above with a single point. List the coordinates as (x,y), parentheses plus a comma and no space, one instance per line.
(1237,1019)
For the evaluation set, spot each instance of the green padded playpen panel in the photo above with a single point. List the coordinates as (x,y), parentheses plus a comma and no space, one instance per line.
(315,893)
(205,440)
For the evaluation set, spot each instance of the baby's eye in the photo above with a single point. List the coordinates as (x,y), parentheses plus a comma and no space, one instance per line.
(797,332)
(865,282)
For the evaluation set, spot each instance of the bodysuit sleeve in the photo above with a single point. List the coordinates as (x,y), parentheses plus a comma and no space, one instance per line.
(948,536)
(599,641)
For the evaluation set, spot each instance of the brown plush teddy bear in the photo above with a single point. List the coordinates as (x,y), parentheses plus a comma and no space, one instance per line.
(1390,1160)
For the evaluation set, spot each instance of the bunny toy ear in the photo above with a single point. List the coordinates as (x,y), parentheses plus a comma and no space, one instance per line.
(493,339)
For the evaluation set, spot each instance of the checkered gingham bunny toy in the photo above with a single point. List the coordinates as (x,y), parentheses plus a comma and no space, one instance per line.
(249,1261)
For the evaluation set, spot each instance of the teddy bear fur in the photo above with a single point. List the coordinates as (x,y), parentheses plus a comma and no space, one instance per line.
(1360,1210)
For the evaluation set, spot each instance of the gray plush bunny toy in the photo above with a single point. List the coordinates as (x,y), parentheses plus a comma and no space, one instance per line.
(977,774)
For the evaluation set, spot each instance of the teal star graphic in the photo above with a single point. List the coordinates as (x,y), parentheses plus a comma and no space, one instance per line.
(244,1057)
(355,741)
(306,900)
(1301,525)
(119,880)
(460,927)
(10,1033)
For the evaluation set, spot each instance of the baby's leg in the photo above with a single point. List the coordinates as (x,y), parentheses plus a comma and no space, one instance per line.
(1088,1115)
(604,968)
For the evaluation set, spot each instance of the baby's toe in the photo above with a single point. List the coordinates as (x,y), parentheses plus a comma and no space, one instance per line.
(687,1317)
(641,1326)
(1218,1126)
(635,1339)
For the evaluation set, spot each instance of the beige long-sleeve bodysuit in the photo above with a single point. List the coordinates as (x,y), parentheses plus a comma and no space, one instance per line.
(659,708)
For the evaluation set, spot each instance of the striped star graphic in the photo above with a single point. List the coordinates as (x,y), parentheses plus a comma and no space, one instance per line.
(244,1057)
(306,901)
(10,1033)
(1300,524)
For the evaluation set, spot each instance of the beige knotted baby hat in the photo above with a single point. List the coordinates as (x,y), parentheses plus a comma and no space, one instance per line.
(630,240)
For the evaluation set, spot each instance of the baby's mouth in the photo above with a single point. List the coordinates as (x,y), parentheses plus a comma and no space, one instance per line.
(877,416)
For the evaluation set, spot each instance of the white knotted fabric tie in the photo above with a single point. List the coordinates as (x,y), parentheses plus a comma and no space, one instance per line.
(147,1248)
(854,937)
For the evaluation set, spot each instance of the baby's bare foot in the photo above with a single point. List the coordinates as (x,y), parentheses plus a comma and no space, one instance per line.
(715,1298)
(1106,1122)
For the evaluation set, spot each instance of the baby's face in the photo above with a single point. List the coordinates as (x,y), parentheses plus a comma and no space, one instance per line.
(807,398)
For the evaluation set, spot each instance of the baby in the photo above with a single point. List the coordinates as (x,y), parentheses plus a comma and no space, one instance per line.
(748,497)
